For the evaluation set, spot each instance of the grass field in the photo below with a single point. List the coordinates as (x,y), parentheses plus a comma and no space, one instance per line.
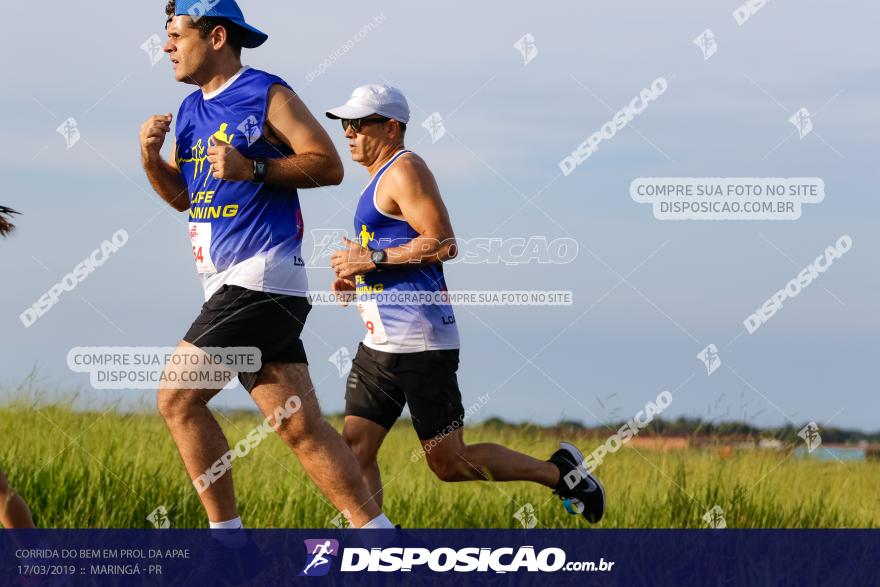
(110,470)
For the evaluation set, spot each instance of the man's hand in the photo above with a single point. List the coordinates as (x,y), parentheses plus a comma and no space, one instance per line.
(227,163)
(153,133)
(352,260)
(344,290)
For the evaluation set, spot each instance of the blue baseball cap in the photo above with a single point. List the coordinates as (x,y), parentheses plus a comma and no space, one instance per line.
(227,9)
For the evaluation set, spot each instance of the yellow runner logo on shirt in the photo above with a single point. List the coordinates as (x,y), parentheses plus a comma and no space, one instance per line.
(198,155)
(366,237)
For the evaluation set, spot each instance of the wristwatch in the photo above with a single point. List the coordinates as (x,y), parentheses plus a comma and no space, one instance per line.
(379,258)
(259,170)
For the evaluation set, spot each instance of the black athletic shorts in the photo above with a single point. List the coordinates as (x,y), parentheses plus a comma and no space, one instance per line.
(239,317)
(380,384)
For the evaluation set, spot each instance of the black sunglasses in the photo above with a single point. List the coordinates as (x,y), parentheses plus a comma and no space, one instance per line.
(357,123)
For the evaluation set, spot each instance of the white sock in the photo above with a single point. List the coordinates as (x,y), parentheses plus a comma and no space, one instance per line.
(379,522)
(230,533)
(233,524)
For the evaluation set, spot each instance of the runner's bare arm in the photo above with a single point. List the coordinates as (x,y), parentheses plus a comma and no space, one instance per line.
(408,189)
(164,176)
(315,161)
(410,186)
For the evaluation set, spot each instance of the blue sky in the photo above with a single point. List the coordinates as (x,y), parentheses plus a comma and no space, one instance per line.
(508,125)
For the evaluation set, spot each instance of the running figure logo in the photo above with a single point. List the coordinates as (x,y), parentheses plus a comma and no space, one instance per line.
(810,434)
(526,516)
(366,237)
(706,42)
(70,131)
(527,48)
(153,48)
(710,357)
(802,121)
(714,518)
(250,129)
(318,563)
(434,125)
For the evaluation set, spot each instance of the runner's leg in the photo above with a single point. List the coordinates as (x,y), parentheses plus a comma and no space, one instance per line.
(320,449)
(365,437)
(199,439)
(453,460)
(14,512)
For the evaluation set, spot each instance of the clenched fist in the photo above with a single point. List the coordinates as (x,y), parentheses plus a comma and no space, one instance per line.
(153,133)
(227,163)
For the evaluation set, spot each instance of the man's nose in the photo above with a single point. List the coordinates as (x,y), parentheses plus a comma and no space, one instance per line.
(349,133)
(169,46)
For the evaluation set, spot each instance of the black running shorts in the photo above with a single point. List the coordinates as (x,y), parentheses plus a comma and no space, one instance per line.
(239,317)
(380,384)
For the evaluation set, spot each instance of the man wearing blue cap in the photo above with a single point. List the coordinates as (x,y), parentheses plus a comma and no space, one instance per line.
(244,144)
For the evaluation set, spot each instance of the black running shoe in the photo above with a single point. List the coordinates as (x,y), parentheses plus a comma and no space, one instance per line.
(586,496)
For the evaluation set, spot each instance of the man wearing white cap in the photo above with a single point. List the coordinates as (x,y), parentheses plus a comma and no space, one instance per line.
(410,352)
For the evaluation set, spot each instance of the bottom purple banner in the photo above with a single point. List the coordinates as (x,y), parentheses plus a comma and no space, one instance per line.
(582,557)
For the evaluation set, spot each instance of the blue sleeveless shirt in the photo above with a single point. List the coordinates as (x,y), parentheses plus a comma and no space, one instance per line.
(399,328)
(243,233)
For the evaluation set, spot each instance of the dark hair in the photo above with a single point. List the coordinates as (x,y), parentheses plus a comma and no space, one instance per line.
(206,24)
(5,225)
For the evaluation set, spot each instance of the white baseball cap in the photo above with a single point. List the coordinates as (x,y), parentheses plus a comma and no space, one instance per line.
(382,99)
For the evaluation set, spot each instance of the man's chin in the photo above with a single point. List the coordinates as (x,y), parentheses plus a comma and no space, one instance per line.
(182,76)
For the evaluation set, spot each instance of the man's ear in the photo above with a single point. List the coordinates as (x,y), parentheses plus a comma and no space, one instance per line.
(394,124)
(219,37)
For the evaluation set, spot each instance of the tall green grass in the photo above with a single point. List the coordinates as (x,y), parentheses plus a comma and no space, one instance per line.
(110,470)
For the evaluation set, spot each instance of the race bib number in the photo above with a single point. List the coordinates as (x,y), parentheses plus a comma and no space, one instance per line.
(200,236)
(369,310)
